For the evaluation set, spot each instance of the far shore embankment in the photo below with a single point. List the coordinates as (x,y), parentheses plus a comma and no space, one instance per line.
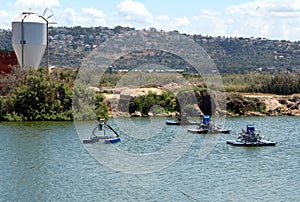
(243,104)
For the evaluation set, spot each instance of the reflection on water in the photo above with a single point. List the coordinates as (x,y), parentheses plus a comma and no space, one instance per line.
(45,161)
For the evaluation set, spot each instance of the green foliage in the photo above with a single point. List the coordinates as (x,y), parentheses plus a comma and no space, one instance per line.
(3,107)
(281,83)
(238,104)
(40,98)
(144,103)
(5,40)
(43,97)
(101,107)
(110,80)
(87,104)
(235,88)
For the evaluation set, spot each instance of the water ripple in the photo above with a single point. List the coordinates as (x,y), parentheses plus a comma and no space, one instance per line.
(45,161)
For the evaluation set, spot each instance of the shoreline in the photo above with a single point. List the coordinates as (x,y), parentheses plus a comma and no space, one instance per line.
(275,105)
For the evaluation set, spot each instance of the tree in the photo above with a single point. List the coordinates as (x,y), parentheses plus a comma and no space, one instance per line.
(40,98)
(144,103)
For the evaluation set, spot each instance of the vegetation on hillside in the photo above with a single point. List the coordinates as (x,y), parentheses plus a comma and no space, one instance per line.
(69,45)
(5,40)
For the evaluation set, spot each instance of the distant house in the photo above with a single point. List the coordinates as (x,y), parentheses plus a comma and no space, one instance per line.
(74,46)
(52,46)
(91,37)
(69,37)
(61,49)
(87,47)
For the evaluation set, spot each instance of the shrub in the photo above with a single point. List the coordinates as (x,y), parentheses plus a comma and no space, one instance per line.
(144,103)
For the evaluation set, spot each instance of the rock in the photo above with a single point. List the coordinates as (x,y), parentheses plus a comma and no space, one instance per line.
(136,114)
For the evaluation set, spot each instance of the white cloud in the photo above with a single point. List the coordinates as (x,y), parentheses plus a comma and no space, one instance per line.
(208,12)
(42,4)
(259,18)
(249,8)
(93,12)
(93,17)
(134,11)
(183,21)
(3,13)
(162,18)
(70,17)
(256,18)
(86,17)
(160,21)
(209,24)
(3,20)
(271,19)
(267,7)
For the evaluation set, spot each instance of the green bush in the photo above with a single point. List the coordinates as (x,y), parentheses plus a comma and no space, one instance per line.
(144,103)
(281,83)
(43,97)
(238,104)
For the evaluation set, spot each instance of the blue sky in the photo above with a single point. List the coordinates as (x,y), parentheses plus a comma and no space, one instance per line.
(246,18)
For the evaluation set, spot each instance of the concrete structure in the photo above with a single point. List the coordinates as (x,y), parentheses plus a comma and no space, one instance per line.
(29,39)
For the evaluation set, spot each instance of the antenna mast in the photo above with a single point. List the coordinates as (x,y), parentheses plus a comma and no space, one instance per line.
(47,37)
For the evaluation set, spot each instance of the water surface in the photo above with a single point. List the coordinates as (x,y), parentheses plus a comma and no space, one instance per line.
(45,161)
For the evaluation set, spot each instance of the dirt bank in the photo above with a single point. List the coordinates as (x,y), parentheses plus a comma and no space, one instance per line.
(275,105)
(118,99)
(278,104)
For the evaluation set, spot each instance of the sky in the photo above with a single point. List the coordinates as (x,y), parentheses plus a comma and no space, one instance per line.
(271,19)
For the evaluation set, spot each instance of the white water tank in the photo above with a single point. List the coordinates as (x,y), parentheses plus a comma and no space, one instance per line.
(29,39)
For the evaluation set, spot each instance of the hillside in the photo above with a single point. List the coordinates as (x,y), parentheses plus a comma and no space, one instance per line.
(69,45)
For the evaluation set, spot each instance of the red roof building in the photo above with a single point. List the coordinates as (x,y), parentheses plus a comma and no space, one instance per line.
(8,59)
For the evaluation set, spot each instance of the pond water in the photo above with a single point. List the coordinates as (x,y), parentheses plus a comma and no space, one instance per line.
(46,161)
